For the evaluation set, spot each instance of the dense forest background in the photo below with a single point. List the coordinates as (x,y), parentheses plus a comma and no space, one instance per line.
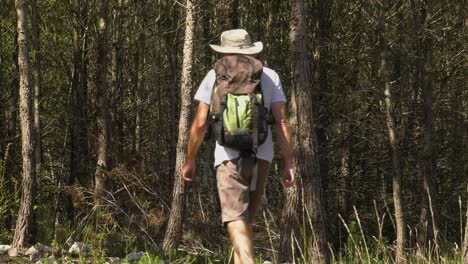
(388,108)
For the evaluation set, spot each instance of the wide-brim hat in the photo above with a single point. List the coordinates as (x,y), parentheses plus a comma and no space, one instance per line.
(237,41)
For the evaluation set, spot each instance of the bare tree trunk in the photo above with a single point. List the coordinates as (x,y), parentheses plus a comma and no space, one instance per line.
(396,167)
(428,152)
(343,183)
(321,89)
(37,78)
(465,242)
(174,227)
(174,64)
(23,222)
(79,149)
(3,121)
(304,143)
(235,14)
(140,77)
(424,72)
(37,87)
(117,86)
(102,165)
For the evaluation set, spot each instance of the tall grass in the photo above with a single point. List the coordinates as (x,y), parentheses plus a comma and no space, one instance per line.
(363,248)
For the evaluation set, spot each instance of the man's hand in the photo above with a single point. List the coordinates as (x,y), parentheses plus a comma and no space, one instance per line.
(289,179)
(188,170)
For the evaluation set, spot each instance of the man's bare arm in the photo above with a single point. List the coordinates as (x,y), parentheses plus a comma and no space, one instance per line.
(197,134)
(278,110)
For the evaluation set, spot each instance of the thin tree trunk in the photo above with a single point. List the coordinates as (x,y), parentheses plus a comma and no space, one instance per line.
(174,227)
(23,222)
(140,77)
(465,243)
(37,78)
(321,90)
(3,123)
(396,167)
(343,183)
(428,152)
(136,87)
(173,103)
(304,142)
(117,83)
(102,165)
(424,65)
(235,14)
(36,69)
(79,149)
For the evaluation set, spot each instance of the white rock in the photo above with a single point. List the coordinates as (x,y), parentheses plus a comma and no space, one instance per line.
(13,252)
(134,256)
(4,248)
(267,262)
(80,248)
(31,251)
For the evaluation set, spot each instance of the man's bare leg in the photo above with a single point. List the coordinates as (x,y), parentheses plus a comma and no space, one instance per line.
(257,196)
(240,234)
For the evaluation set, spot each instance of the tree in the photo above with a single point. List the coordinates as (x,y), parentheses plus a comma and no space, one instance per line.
(393,142)
(465,243)
(304,143)
(174,227)
(103,120)
(79,160)
(36,43)
(424,77)
(23,222)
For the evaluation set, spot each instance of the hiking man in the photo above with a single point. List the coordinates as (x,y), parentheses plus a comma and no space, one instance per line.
(237,91)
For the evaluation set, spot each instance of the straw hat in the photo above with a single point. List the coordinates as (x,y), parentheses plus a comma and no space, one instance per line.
(237,41)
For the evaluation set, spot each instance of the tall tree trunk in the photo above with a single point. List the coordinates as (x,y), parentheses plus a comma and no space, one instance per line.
(102,165)
(23,222)
(173,93)
(117,85)
(235,14)
(396,167)
(425,72)
(321,90)
(174,227)
(140,77)
(465,243)
(37,78)
(304,142)
(36,69)
(79,149)
(428,131)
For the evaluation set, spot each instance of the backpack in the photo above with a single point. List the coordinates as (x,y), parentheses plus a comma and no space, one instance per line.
(238,117)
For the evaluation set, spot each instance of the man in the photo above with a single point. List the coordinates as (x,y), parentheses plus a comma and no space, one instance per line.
(239,202)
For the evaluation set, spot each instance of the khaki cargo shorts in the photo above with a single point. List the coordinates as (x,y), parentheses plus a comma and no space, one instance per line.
(237,200)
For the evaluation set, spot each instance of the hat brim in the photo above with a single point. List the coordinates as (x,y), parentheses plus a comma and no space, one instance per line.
(256,47)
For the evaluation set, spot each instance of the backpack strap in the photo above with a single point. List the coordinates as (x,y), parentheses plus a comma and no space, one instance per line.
(255,116)
(249,155)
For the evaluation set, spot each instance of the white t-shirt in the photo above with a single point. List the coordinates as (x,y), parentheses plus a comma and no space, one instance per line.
(272,92)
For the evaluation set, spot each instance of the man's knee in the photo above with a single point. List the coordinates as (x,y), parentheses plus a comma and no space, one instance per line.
(237,227)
